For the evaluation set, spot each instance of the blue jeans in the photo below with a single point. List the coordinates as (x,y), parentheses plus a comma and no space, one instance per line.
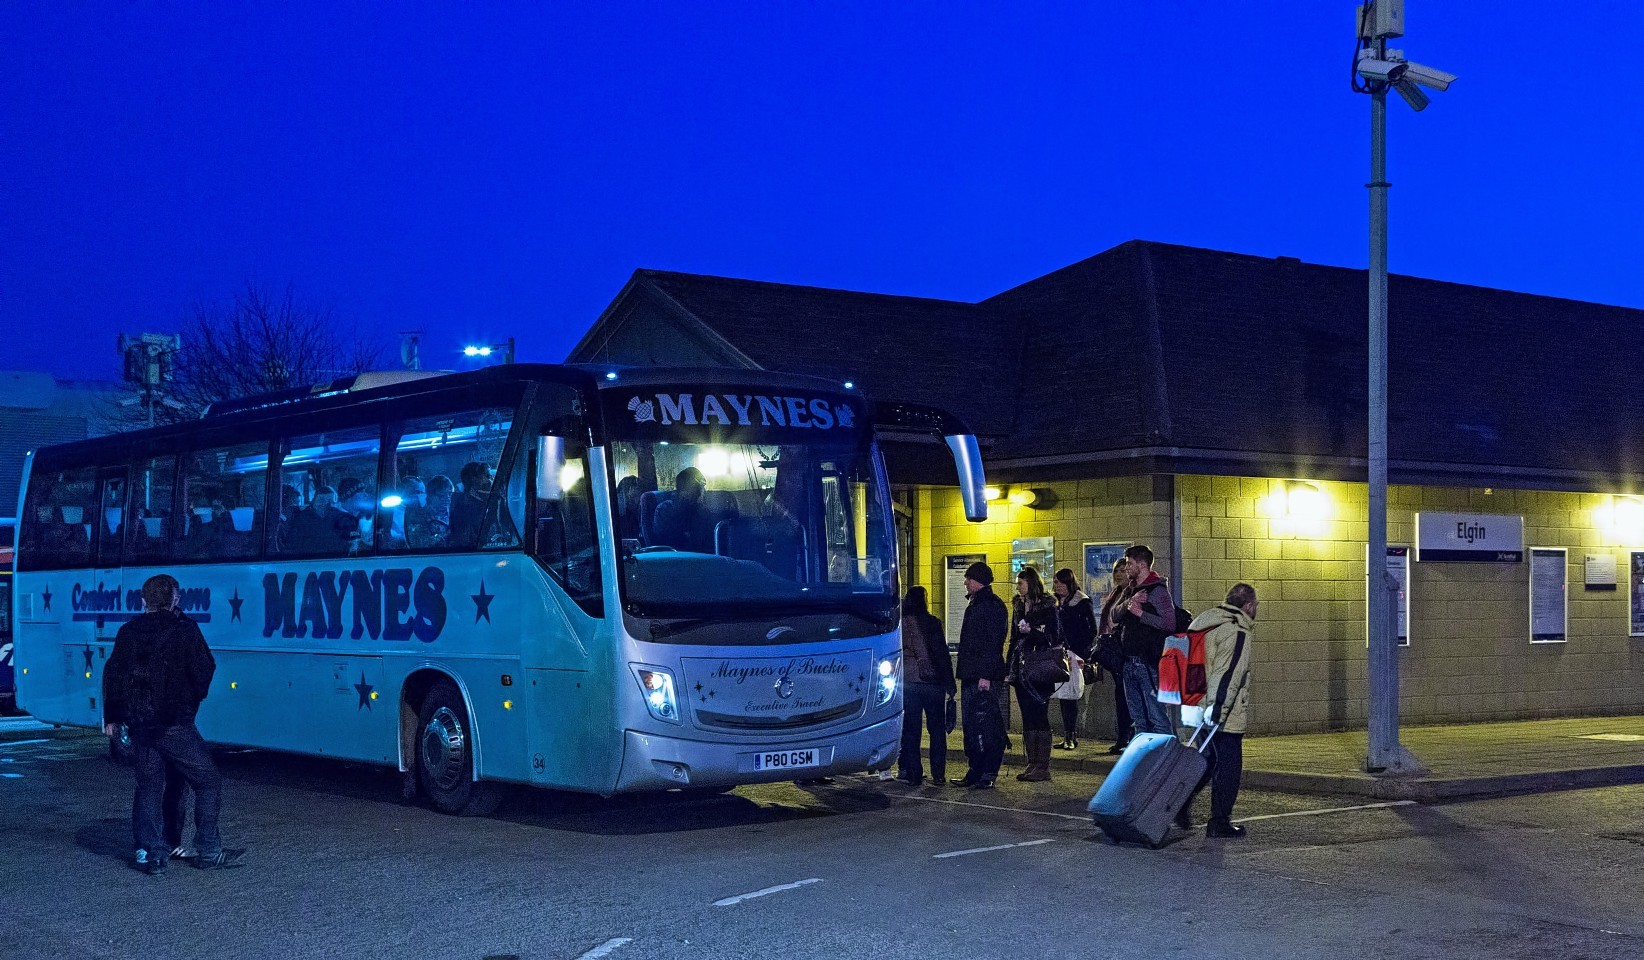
(183,750)
(1142,697)
(924,706)
(984,730)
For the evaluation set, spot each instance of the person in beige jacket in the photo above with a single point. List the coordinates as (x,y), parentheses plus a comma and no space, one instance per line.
(1231,628)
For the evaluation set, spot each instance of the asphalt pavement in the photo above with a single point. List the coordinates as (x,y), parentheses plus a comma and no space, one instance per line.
(858,868)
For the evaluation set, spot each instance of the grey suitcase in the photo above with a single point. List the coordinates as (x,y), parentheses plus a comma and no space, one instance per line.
(1148,786)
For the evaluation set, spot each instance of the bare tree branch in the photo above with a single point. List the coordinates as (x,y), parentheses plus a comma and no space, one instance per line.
(257,343)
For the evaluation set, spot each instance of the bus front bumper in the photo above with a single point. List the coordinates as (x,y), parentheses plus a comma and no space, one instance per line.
(651,762)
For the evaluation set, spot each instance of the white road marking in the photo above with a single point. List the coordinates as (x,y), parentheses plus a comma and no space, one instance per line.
(19,743)
(12,776)
(986,806)
(733,901)
(22,723)
(1319,813)
(605,949)
(1002,846)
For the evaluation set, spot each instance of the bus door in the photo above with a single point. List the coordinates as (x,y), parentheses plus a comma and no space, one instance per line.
(100,606)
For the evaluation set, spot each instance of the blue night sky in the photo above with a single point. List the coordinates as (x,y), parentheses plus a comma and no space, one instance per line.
(485,170)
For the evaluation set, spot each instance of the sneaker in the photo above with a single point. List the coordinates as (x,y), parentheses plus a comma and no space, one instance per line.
(1223,830)
(183,852)
(156,867)
(220,860)
(141,859)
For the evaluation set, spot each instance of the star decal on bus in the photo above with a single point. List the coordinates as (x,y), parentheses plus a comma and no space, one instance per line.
(45,596)
(364,690)
(482,603)
(234,603)
(88,653)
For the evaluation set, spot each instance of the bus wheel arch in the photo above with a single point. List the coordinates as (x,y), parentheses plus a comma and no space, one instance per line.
(443,745)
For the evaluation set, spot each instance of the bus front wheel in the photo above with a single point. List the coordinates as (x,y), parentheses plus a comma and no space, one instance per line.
(445,755)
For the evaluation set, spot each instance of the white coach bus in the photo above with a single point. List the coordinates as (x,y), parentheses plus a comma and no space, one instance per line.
(593,580)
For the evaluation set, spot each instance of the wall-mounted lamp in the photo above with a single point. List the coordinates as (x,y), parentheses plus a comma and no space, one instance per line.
(1296,506)
(993,494)
(1622,519)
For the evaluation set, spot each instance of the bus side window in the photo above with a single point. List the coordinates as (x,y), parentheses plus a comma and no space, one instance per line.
(328,493)
(151,530)
(57,519)
(223,495)
(110,527)
(564,534)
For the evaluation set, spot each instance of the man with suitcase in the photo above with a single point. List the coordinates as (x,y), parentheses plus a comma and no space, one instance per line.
(1229,629)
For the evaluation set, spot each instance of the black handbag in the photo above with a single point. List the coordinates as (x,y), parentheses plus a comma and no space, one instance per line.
(1045,668)
(1110,653)
(951,715)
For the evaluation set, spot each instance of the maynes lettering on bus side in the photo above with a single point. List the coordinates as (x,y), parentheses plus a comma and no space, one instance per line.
(810,666)
(743,410)
(378,600)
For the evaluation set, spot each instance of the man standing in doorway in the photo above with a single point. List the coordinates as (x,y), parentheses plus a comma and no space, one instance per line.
(1144,623)
(1229,630)
(981,675)
(156,677)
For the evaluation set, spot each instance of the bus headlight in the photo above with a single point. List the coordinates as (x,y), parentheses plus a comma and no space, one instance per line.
(658,687)
(890,671)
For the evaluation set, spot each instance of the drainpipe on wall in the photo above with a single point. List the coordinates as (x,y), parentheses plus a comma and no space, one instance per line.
(1177,587)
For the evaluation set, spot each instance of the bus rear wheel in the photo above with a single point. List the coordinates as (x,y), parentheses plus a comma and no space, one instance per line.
(445,755)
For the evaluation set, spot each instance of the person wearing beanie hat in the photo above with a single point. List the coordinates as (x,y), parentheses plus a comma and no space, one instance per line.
(981,673)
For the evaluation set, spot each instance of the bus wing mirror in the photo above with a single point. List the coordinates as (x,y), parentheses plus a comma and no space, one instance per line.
(967,459)
(550,467)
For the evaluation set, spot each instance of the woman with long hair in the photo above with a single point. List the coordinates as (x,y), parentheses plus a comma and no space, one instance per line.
(1033,627)
(1076,617)
(1116,599)
(928,672)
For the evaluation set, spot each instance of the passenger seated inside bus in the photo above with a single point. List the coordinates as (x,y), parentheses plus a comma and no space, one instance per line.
(686,520)
(321,528)
(468,507)
(356,498)
(627,507)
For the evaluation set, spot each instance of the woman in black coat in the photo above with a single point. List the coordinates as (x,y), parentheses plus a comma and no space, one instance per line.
(1076,616)
(927,673)
(1033,627)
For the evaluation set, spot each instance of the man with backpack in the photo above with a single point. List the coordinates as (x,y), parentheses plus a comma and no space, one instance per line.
(1227,631)
(1146,619)
(156,677)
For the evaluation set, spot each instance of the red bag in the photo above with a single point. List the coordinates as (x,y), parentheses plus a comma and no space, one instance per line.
(1182,677)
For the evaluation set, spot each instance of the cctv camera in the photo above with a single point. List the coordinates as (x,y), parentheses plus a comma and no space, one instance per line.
(1429,77)
(1387,71)
(1412,94)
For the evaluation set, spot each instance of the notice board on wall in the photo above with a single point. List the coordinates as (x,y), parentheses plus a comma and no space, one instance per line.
(1549,597)
(954,597)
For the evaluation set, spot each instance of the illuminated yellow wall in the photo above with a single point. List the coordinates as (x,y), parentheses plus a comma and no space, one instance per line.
(1470,657)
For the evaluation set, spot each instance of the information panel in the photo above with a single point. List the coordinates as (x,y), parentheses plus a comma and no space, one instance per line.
(1549,597)
(1635,584)
(1398,567)
(1099,561)
(954,597)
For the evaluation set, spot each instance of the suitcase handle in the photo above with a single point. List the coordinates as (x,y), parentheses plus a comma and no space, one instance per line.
(1200,729)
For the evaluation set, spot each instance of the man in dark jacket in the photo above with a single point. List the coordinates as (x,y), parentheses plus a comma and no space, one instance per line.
(1144,622)
(982,673)
(156,677)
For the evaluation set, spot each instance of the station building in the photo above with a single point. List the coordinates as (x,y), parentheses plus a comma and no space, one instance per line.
(1213,405)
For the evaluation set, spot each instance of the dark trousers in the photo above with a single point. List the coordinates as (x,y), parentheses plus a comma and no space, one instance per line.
(180,749)
(1070,718)
(984,730)
(924,708)
(1121,711)
(1225,751)
(1035,712)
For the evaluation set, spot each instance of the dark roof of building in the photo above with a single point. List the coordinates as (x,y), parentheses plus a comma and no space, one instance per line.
(1197,359)
(938,352)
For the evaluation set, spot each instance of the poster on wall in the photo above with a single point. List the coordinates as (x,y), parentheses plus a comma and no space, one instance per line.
(1600,571)
(1549,606)
(1099,561)
(1398,567)
(1038,552)
(1635,581)
(954,597)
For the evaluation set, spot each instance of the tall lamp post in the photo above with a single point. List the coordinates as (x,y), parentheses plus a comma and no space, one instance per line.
(506,348)
(1375,69)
